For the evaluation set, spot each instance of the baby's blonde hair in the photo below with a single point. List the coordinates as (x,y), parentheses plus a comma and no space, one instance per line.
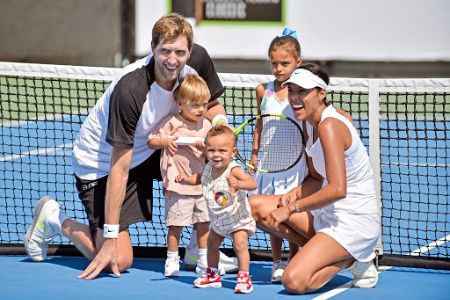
(192,89)
(222,130)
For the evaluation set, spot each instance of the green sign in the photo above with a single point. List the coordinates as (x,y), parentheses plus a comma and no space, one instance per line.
(231,11)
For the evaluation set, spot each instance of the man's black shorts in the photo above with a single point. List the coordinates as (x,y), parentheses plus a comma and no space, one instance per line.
(138,203)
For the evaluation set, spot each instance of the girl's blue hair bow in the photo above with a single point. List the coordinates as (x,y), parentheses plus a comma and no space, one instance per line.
(289,32)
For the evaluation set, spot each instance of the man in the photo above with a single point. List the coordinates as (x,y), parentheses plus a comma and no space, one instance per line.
(112,163)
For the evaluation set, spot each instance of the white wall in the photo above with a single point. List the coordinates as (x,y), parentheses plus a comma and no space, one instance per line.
(357,30)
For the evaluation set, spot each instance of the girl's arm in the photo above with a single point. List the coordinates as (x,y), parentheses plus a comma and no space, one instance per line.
(160,142)
(260,90)
(166,143)
(161,137)
(239,180)
(193,179)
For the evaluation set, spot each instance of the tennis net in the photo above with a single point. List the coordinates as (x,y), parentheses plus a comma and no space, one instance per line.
(404,124)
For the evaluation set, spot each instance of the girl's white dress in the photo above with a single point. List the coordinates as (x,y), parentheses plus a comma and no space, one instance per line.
(281,182)
(228,213)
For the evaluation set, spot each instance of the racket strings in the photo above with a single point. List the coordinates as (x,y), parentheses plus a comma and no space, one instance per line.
(280,147)
(281,144)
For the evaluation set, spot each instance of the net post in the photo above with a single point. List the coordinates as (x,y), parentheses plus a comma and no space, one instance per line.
(374,148)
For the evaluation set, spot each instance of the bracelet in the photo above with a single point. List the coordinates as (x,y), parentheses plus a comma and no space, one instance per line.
(111,231)
(297,209)
(219,120)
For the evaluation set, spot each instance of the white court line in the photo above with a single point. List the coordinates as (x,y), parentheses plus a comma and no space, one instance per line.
(43,151)
(416,252)
(430,246)
(335,291)
(46,117)
(40,118)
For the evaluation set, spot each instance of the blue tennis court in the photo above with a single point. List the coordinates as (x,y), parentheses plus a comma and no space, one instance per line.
(57,279)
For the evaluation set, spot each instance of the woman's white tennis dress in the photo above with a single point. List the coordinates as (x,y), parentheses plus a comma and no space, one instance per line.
(354,222)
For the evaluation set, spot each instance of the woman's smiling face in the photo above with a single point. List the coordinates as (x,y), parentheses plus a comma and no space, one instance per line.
(304,102)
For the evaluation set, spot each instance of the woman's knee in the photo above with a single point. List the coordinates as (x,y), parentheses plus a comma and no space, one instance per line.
(255,205)
(296,283)
(262,205)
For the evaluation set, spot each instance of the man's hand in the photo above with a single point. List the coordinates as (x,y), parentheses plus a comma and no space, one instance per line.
(107,256)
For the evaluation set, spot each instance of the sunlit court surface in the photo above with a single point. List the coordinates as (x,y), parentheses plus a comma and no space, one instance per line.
(403,123)
(57,279)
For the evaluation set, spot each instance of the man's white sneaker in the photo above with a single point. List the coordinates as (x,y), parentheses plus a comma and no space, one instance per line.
(277,271)
(365,275)
(43,229)
(227,264)
(172,267)
(202,267)
(190,258)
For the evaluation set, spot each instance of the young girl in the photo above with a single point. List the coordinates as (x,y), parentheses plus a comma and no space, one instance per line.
(284,54)
(185,204)
(224,185)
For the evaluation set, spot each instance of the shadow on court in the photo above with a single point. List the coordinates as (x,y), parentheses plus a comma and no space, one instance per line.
(78,263)
(259,271)
(70,262)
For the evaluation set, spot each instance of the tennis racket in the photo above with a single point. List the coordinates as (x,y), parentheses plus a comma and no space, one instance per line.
(281,143)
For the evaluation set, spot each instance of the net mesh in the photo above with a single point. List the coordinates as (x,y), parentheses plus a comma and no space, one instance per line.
(43,106)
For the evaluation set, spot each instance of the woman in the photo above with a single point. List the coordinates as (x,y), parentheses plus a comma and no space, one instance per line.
(334,214)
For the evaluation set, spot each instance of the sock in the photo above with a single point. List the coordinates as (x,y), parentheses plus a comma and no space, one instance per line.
(54,220)
(215,270)
(172,254)
(62,217)
(202,257)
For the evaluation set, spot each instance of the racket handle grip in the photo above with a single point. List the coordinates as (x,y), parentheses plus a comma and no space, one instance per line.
(188,140)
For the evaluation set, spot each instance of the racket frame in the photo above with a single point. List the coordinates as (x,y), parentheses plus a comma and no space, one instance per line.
(252,120)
